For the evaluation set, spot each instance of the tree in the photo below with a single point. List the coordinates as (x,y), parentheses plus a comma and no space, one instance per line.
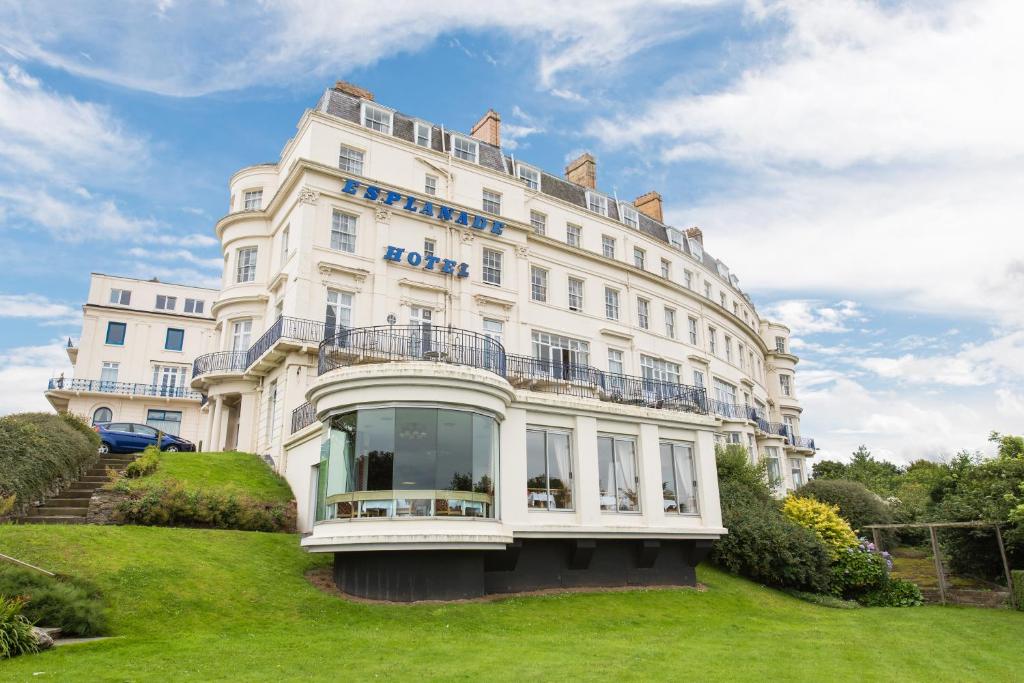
(828,469)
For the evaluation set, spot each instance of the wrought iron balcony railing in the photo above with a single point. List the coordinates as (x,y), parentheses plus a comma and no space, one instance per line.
(296,329)
(303,416)
(804,442)
(221,361)
(384,344)
(122,388)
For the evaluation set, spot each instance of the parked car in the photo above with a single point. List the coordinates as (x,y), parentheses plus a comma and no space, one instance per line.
(131,437)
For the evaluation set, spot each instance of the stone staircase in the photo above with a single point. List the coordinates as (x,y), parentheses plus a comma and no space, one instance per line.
(71,505)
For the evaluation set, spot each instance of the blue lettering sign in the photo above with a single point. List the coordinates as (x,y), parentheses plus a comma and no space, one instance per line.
(414,258)
(371,193)
(392,197)
(448,266)
(463,270)
(445,212)
(393,253)
(428,210)
(350,186)
(410,204)
(431,260)
(497,227)
(463,218)
(479,222)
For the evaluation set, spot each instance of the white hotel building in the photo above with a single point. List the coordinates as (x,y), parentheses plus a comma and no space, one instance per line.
(456,358)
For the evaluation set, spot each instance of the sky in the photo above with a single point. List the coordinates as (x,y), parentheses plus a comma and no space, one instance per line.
(858,164)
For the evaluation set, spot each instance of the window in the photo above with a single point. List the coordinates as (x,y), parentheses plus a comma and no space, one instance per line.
(423,134)
(728,348)
(639,257)
(796,470)
(122,297)
(343,232)
(629,216)
(575,294)
(735,309)
(713,341)
(350,160)
(615,364)
(780,344)
(724,392)
(608,246)
(528,175)
(102,415)
(790,425)
(620,485)
(285,234)
(115,333)
(752,448)
(678,478)
(494,329)
(560,351)
(253,200)
(245,268)
(166,303)
(167,421)
(692,324)
(740,354)
(721,297)
(466,149)
(774,466)
(658,370)
(492,267)
(750,361)
(429,248)
(670,323)
(194,305)
(786,384)
(597,203)
(108,375)
(338,312)
(698,379)
(492,202)
(241,332)
(548,470)
(538,283)
(643,313)
(376,118)
(539,222)
(611,303)
(688,279)
(430,184)
(175,339)
(572,234)
(696,250)
(169,380)
(666,269)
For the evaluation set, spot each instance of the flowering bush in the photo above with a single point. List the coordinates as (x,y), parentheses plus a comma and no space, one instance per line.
(895,593)
(858,570)
(824,520)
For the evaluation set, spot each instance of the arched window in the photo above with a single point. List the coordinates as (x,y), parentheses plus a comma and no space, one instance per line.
(102,415)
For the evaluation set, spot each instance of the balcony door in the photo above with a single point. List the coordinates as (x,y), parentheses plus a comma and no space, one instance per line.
(241,334)
(422,320)
(558,355)
(337,315)
(108,376)
(169,380)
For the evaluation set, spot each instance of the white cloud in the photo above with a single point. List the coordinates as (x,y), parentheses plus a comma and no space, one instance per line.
(33,306)
(180,255)
(808,316)
(24,372)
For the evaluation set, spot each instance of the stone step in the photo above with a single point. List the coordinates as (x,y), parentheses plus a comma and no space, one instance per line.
(77,494)
(68,502)
(57,511)
(82,487)
(68,519)
(95,480)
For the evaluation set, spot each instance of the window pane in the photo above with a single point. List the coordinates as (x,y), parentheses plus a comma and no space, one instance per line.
(536,470)
(627,496)
(485,454)
(375,450)
(415,448)
(668,479)
(606,472)
(559,471)
(454,469)
(115,333)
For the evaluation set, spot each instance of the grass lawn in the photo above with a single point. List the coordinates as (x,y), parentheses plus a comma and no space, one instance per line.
(229,472)
(209,605)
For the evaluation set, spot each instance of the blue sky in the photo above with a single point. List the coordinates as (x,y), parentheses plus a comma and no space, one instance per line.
(858,164)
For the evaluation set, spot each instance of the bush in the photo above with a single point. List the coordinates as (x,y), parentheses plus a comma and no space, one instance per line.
(856,571)
(733,463)
(856,503)
(171,504)
(145,464)
(16,634)
(823,600)
(824,520)
(1018,588)
(71,604)
(765,546)
(894,593)
(40,453)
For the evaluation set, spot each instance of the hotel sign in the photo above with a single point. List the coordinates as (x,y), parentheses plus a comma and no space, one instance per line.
(422,207)
(417,260)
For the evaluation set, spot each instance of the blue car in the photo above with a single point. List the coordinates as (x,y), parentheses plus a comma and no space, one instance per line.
(131,437)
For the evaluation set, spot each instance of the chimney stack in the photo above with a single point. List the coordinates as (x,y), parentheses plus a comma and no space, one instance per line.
(650,205)
(583,171)
(488,128)
(353,90)
(696,233)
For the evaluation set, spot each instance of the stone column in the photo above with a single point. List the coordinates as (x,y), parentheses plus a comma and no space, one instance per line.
(649,469)
(215,437)
(707,479)
(246,423)
(587,480)
(512,467)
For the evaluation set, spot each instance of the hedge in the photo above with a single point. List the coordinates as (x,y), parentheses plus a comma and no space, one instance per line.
(1018,587)
(73,605)
(42,452)
(857,504)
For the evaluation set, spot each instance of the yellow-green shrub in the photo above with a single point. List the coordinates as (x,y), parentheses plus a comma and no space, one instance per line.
(824,520)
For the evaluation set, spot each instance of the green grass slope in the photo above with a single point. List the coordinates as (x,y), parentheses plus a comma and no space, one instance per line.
(229,472)
(231,606)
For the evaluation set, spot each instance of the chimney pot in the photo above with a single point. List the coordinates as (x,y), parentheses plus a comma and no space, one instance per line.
(488,128)
(650,205)
(353,90)
(696,233)
(583,171)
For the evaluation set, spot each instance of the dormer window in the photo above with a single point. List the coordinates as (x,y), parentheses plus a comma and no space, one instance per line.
(597,203)
(377,118)
(423,133)
(465,149)
(629,216)
(695,249)
(675,238)
(528,175)
(723,270)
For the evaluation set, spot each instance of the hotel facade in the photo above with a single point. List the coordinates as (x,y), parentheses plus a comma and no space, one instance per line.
(476,376)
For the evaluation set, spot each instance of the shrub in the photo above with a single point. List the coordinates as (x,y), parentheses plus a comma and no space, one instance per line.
(171,504)
(71,604)
(824,520)
(856,503)
(145,464)
(1018,587)
(823,600)
(894,593)
(16,634)
(733,463)
(765,546)
(40,452)
(856,571)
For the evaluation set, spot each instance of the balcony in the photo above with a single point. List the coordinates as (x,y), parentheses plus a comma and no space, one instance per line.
(61,384)
(805,443)
(221,361)
(285,328)
(462,347)
(303,416)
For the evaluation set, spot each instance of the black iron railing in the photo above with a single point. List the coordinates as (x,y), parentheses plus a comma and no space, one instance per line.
(804,442)
(303,416)
(297,329)
(123,388)
(411,343)
(221,361)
